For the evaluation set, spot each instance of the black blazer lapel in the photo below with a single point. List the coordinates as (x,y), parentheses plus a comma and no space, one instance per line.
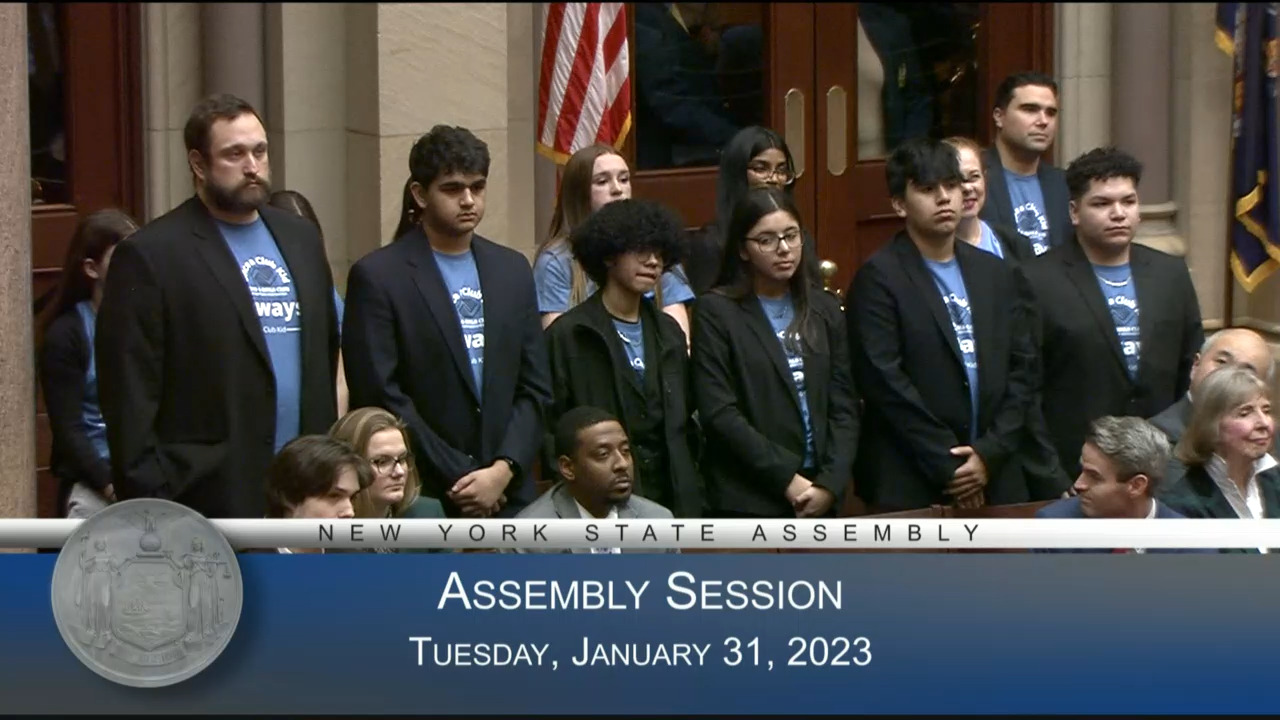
(1082,276)
(494,313)
(761,326)
(212,248)
(1147,288)
(430,283)
(913,264)
(998,189)
(1053,190)
(982,313)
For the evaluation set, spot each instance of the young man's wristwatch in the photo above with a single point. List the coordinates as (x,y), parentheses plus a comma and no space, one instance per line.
(512,464)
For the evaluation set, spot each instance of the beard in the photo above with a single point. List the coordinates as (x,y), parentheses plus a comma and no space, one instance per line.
(245,197)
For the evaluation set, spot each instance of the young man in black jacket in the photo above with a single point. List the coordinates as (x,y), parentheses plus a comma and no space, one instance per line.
(618,352)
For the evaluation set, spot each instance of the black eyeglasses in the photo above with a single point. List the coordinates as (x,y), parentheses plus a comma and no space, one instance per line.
(768,242)
(385,464)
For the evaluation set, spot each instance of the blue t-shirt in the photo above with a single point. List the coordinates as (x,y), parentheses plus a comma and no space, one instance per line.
(276,302)
(463,282)
(780,312)
(1028,209)
(946,275)
(1116,283)
(632,336)
(553,276)
(95,428)
(988,240)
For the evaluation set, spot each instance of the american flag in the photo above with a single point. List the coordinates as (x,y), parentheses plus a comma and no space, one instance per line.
(584,92)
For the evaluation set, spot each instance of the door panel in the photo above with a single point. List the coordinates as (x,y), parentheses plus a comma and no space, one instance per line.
(86,110)
(903,71)
(945,61)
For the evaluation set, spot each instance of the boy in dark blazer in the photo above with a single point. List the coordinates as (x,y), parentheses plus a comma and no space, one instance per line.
(441,328)
(1119,323)
(940,352)
(217,341)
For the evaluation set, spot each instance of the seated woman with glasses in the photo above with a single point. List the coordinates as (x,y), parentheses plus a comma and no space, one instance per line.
(771,374)
(395,491)
(756,157)
(1224,448)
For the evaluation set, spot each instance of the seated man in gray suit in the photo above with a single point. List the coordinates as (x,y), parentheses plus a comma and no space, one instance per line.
(594,457)
(1226,348)
(1122,466)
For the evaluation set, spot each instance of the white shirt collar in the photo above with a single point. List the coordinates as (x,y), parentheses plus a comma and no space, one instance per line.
(1151,514)
(1248,504)
(613,515)
(586,514)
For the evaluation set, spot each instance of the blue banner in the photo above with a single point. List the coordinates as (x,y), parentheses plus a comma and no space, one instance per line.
(856,633)
(1248,32)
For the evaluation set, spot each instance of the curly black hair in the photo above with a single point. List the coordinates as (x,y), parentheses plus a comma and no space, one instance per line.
(445,150)
(625,226)
(1101,164)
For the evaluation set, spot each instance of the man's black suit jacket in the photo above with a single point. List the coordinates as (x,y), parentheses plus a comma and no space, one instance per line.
(184,375)
(403,351)
(1084,369)
(909,368)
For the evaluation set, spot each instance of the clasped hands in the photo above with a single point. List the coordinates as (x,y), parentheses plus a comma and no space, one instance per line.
(969,480)
(479,493)
(809,499)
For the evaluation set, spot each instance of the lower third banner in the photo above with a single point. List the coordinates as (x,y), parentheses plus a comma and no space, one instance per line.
(690,634)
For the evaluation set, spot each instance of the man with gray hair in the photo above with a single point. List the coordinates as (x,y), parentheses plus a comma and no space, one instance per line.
(1230,347)
(1122,466)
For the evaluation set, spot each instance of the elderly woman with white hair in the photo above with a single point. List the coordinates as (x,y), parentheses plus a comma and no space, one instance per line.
(1229,473)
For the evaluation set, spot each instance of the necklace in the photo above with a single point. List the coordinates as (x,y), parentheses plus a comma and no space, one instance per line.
(1112,283)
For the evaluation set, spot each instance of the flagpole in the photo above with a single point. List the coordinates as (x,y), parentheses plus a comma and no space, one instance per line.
(1229,280)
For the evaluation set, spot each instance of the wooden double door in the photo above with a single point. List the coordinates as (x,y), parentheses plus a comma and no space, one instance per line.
(842,82)
(85,103)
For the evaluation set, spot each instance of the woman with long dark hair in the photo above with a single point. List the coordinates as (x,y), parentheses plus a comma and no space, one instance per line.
(68,374)
(756,157)
(771,373)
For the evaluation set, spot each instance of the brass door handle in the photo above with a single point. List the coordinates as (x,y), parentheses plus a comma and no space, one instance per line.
(37,191)
(829,269)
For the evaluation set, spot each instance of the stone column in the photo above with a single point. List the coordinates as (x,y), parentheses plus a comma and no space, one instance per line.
(1142,85)
(17,364)
(233,45)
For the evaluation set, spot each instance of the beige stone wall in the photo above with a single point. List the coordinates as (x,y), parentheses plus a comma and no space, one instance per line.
(1082,50)
(171,85)
(17,362)
(349,88)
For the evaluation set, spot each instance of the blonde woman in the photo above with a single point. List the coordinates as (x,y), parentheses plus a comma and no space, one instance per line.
(383,440)
(593,177)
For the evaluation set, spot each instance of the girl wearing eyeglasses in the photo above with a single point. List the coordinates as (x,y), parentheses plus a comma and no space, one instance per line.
(382,439)
(756,157)
(771,373)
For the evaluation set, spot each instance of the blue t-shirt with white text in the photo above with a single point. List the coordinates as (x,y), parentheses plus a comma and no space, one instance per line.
(462,279)
(781,311)
(1029,213)
(1116,283)
(632,336)
(955,296)
(276,303)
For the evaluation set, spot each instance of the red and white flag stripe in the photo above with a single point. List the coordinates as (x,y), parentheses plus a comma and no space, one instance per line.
(584,91)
